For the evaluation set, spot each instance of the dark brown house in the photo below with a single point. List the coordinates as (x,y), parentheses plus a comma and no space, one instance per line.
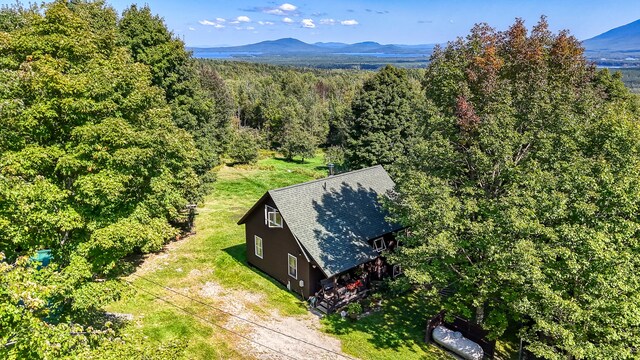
(309,236)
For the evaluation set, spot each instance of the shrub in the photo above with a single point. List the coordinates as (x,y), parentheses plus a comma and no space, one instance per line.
(354,309)
(244,146)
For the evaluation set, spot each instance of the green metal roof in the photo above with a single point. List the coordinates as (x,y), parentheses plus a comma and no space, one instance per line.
(333,218)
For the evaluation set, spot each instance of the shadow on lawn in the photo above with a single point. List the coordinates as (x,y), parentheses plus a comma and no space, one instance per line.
(292,160)
(401,323)
(238,253)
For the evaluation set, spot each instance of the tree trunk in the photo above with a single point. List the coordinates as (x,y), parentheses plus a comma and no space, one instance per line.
(479,314)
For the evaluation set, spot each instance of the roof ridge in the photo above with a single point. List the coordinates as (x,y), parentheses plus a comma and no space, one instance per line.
(325,178)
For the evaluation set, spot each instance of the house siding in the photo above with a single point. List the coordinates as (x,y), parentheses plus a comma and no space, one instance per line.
(277,243)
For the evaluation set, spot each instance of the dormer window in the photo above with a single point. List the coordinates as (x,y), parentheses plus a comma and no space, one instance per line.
(379,244)
(272,217)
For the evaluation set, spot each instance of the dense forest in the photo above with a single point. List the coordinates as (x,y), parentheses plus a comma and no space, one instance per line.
(294,111)
(631,78)
(516,164)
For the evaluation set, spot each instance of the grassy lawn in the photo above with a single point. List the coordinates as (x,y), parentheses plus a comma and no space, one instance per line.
(396,332)
(216,253)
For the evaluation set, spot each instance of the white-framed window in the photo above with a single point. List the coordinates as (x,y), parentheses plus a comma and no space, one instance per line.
(397,270)
(272,217)
(257,242)
(292,263)
(379,244)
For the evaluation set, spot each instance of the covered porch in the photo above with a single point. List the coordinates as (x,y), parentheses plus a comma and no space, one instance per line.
(338,291)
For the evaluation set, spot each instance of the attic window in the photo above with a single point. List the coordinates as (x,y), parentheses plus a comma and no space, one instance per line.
(379,244)
(272,217)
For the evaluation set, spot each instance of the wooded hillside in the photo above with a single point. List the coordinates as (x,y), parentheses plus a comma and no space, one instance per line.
(516,163)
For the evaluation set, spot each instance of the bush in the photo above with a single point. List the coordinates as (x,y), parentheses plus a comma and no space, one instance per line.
(354,309)
(376,297)
(245,145)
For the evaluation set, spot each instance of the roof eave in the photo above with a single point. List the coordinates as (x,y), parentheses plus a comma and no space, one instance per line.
(243,219)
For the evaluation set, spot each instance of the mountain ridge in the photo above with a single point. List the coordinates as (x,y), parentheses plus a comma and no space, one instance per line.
(292,45)
(621,38)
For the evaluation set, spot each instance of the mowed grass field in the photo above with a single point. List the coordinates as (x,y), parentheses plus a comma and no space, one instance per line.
(216,254)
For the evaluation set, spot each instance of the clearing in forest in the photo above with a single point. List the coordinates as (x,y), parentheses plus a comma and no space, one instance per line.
(223,292)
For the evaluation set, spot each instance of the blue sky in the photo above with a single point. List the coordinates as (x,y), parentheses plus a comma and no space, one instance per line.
(235,22)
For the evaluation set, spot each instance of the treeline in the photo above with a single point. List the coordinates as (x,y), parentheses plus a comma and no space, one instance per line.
(631,78)
(293,110)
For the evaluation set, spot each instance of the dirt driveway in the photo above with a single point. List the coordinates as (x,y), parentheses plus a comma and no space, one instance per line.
(268,330)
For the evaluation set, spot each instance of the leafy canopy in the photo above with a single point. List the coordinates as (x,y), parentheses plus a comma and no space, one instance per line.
(522,193)
(384,118)
(92,167)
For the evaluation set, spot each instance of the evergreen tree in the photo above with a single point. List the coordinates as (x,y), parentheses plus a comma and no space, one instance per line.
(523,197)
(384,120)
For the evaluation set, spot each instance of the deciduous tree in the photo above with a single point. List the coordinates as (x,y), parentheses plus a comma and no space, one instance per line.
(523,194)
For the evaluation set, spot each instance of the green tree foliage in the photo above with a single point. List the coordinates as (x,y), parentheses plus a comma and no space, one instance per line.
(91,167)
(88,148)
(292,108)
(334,155)
(523,195)
(245,146)
(29,294)
(384,119)
(203,114)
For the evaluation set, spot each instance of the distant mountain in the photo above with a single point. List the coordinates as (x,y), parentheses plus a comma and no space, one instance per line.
(295,46)
(330,45)
(286,45)
(621,39)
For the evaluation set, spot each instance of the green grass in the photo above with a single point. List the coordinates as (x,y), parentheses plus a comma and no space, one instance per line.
(217,254)
(396,332)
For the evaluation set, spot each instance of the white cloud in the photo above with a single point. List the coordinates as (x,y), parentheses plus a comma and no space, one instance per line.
(274,12)
(250,28)
(282,10)
(192,28)
(350,22)
(216,24)
(220,20)
(287,20)
(308,23)
(327,21)
(243,18)
(287,7)
(265,23)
